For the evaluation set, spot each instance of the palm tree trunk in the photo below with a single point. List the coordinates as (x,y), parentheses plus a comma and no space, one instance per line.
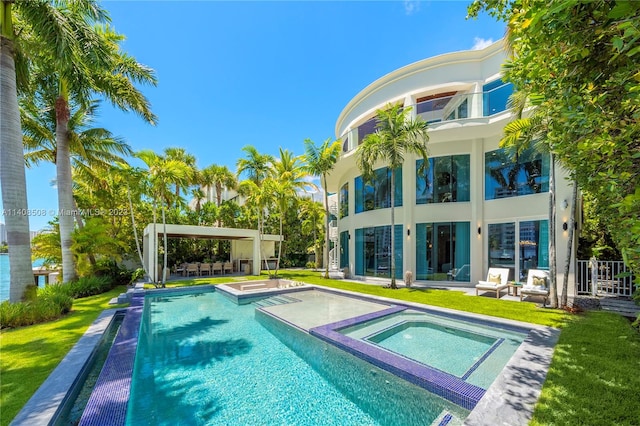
(80,222)
(553,287)
(280,245)
(65,191)
(164,237)
(567,263)
(135,231)
(154,275)
(393,230)
(12,174)
(326,227)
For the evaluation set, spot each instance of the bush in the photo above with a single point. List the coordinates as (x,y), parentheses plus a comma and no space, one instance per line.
(88,286)
(49,303)
(117,274)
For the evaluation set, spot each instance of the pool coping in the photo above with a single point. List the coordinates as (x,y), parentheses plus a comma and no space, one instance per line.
(509,400)
(512,396)
(45,404)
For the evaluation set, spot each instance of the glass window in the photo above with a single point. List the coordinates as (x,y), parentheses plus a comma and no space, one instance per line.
(534,246)
(445,180)
(507,177)
(344,200)
(377,194)
(502,246)
(366,128)
(344,249)
(495,96)
(373,249)
(443,251)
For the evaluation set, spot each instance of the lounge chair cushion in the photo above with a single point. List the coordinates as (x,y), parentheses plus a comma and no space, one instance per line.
(494,278)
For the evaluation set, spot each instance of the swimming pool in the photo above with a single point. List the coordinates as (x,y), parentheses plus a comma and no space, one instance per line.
(366,376)
(201,357)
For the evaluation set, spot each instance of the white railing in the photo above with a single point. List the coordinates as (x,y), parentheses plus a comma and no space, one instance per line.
(333,259)
(603,278)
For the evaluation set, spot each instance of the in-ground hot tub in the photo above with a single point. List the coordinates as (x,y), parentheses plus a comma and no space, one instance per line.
(250,291)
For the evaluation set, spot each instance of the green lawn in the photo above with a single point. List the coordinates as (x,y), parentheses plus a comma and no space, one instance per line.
(593,378)
(29,354)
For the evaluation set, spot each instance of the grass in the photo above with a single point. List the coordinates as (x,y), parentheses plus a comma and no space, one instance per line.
(593,378)
(30,354)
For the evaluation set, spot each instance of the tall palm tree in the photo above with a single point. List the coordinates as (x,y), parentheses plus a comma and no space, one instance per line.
(259,199)
(319,161)
(181,154)
(291,168)
(256,166)
(283,192)
(396,136)
(311,215)
(162,173)
(219,178)
(99,67)
(39,30)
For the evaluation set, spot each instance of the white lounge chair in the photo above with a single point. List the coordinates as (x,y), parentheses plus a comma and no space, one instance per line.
(496,280)
(537,284)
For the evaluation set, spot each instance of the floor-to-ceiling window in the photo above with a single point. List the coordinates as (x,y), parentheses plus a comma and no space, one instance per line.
(506,176)
(443,251)
(344,200)
(377,193)
(521,249)
(373,251)
(444,180)
(344,249)
(534,246)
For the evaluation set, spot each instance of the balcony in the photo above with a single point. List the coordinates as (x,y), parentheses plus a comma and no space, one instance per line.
(444,107)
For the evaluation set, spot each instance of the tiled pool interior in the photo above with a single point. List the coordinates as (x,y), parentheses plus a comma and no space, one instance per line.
(356,325)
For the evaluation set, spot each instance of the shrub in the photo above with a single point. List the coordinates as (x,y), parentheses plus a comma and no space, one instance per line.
(310,265)
(49,303)
(88,286)
(117,274)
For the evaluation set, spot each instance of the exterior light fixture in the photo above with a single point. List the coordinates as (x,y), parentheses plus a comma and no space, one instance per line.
(349,235)
(479,230)
(408,232)
(565,226)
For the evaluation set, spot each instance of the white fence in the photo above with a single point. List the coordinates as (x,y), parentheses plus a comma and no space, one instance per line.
(603,278)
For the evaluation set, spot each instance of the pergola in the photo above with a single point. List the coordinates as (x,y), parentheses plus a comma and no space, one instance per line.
(154,232)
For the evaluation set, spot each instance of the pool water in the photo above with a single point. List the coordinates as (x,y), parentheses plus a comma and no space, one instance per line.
(202,359)
(472,351)
(463,348)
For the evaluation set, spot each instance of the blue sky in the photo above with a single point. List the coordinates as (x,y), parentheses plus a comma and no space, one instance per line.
(267,74)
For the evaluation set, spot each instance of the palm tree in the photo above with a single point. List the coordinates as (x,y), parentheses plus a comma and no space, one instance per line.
(259,199)
(283,192)
(219,177)
(99,67)
(394,138)
(180,154)
(320,160)
(41,25)
(310,214)
(163,172)
(291,168)
(256,166)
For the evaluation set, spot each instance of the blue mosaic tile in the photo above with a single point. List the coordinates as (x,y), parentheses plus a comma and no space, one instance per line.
(108,402)
(445,420)
(435,381)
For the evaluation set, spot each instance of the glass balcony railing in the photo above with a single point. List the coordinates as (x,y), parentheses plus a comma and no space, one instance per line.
(446,108)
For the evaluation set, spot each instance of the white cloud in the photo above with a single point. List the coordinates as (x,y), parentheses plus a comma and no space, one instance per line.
(411,6)
(480,43)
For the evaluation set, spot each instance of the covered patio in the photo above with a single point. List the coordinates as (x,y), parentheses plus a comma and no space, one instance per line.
(245,244)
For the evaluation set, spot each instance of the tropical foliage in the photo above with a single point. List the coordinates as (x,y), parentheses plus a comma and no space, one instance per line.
(580,61)
(396,136)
